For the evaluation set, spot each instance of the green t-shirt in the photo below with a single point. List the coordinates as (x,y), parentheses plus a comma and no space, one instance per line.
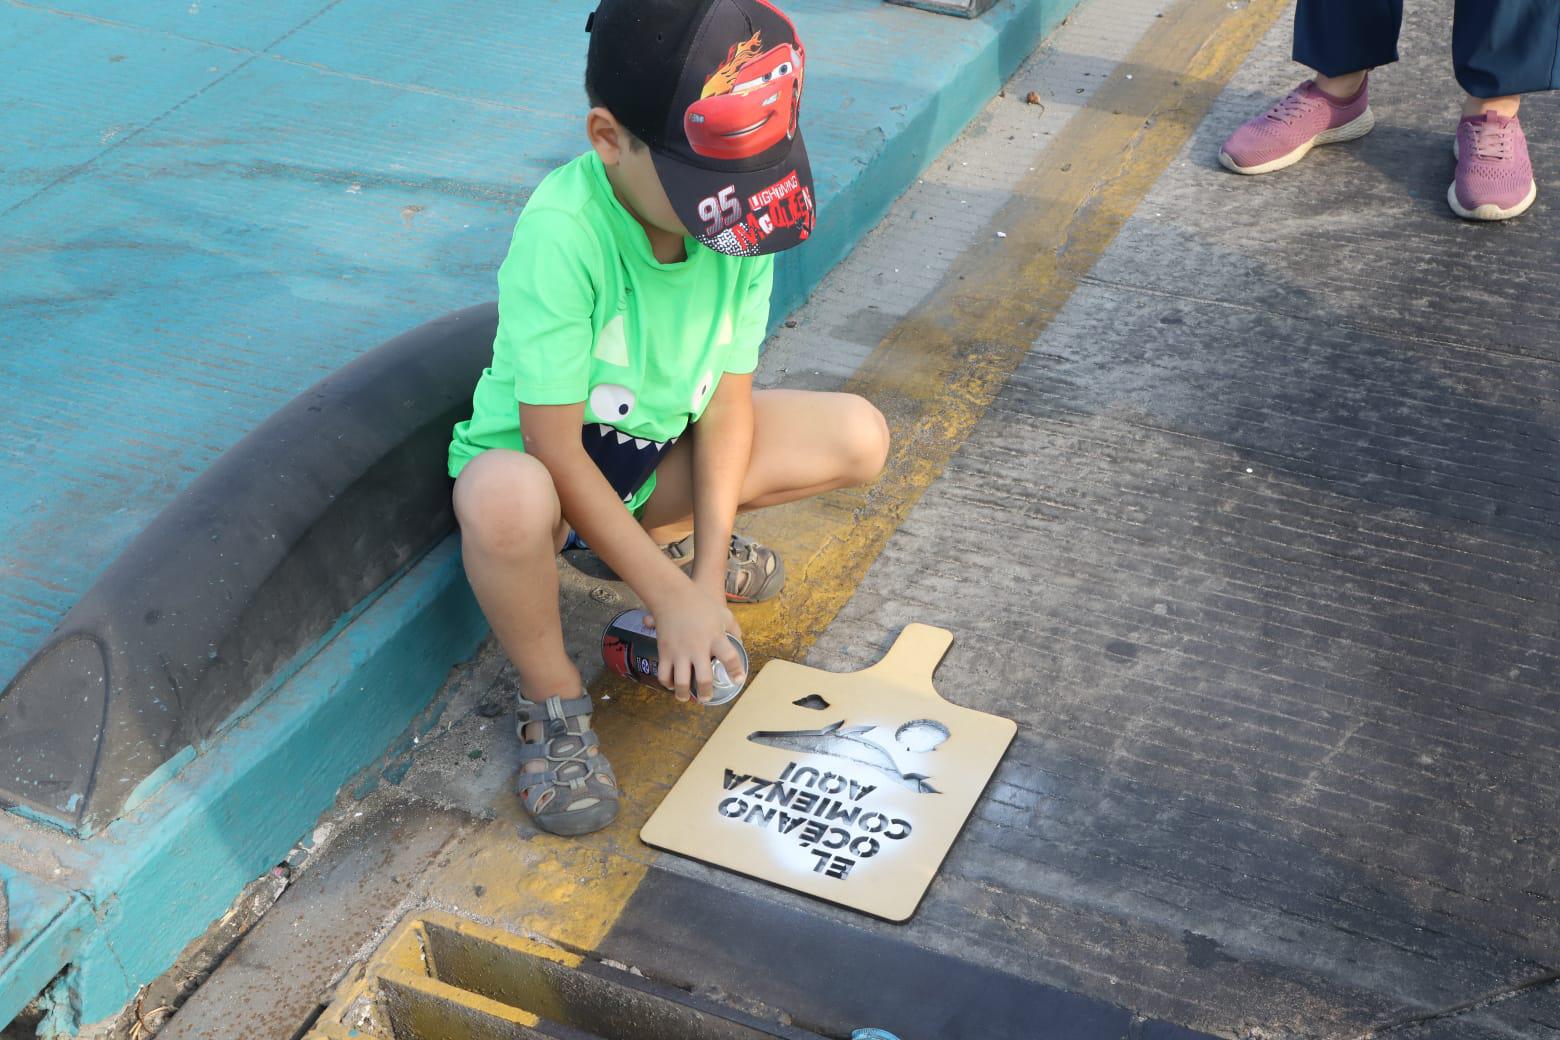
(587,313)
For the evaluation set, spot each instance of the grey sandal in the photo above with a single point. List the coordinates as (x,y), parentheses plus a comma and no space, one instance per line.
(577,793)
(754,572)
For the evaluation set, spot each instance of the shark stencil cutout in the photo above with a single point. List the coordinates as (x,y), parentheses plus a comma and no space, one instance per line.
(852,743)
(626,460)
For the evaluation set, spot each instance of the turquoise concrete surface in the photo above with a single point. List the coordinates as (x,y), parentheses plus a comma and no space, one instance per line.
(206,205)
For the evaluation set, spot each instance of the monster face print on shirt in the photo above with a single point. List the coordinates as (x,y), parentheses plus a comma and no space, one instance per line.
(618,435)
(625,460)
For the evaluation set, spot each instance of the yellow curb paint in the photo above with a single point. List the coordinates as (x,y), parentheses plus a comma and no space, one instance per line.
(934,376)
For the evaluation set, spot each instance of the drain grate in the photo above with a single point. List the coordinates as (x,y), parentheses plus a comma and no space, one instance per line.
(440,977)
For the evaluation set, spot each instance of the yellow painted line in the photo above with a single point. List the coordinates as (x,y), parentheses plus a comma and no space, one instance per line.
(933,376)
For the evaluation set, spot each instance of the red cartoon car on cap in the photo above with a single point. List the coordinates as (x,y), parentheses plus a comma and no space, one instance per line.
(758,111)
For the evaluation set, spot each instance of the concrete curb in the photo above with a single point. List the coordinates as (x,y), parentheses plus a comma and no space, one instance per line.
(166,870)
(975,59)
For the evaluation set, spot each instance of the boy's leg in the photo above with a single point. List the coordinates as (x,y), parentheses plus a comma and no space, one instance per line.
(511,530)
(804,443)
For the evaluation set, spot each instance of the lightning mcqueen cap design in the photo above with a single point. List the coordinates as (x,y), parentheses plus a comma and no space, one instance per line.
(714,87)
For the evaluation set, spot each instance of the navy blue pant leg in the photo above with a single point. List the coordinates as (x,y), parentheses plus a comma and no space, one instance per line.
(1504,47)
(1335,37)
(1498,46)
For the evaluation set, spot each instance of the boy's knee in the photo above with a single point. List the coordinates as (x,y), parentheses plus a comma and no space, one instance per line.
(506,503)
(867,439)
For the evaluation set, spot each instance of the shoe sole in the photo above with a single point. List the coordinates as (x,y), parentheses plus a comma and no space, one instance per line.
(1354,129)
(573,828)
(1488,211)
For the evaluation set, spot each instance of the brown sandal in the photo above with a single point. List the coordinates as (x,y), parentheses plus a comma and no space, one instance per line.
(754,572)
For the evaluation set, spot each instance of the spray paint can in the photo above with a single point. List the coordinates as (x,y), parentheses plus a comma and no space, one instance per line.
(629,649)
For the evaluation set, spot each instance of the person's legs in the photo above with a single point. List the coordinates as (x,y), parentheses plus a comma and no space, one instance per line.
(511,529)
(1342,40)
(1507,105)
(1501,49)
(1504,48)
(804,444)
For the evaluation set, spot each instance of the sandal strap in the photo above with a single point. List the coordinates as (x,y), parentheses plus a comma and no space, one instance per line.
(540,791)
(680,552)
(553,709)
(566,737)
(530,751)
(551,778)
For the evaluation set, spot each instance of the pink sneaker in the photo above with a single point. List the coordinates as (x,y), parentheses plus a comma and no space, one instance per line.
(1494,174)
(1302,119)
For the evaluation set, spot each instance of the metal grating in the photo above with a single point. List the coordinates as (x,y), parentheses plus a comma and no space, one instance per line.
(440,977)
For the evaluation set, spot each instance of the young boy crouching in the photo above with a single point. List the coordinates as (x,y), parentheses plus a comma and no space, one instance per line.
(619,409)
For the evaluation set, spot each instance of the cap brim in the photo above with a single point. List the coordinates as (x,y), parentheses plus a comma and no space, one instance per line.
(747,212)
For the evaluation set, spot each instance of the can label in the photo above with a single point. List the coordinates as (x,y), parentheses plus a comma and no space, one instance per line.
(629,649)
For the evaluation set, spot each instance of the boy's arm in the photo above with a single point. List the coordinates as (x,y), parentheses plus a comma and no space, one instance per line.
(552,437)
(722,451)
(690,628)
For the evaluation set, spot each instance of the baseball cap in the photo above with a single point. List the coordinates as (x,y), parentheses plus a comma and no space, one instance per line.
(714,88)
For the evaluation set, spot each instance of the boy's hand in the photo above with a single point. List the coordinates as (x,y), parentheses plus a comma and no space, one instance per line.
(690,629)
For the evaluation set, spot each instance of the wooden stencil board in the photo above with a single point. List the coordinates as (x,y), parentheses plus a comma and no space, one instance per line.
(849,787)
